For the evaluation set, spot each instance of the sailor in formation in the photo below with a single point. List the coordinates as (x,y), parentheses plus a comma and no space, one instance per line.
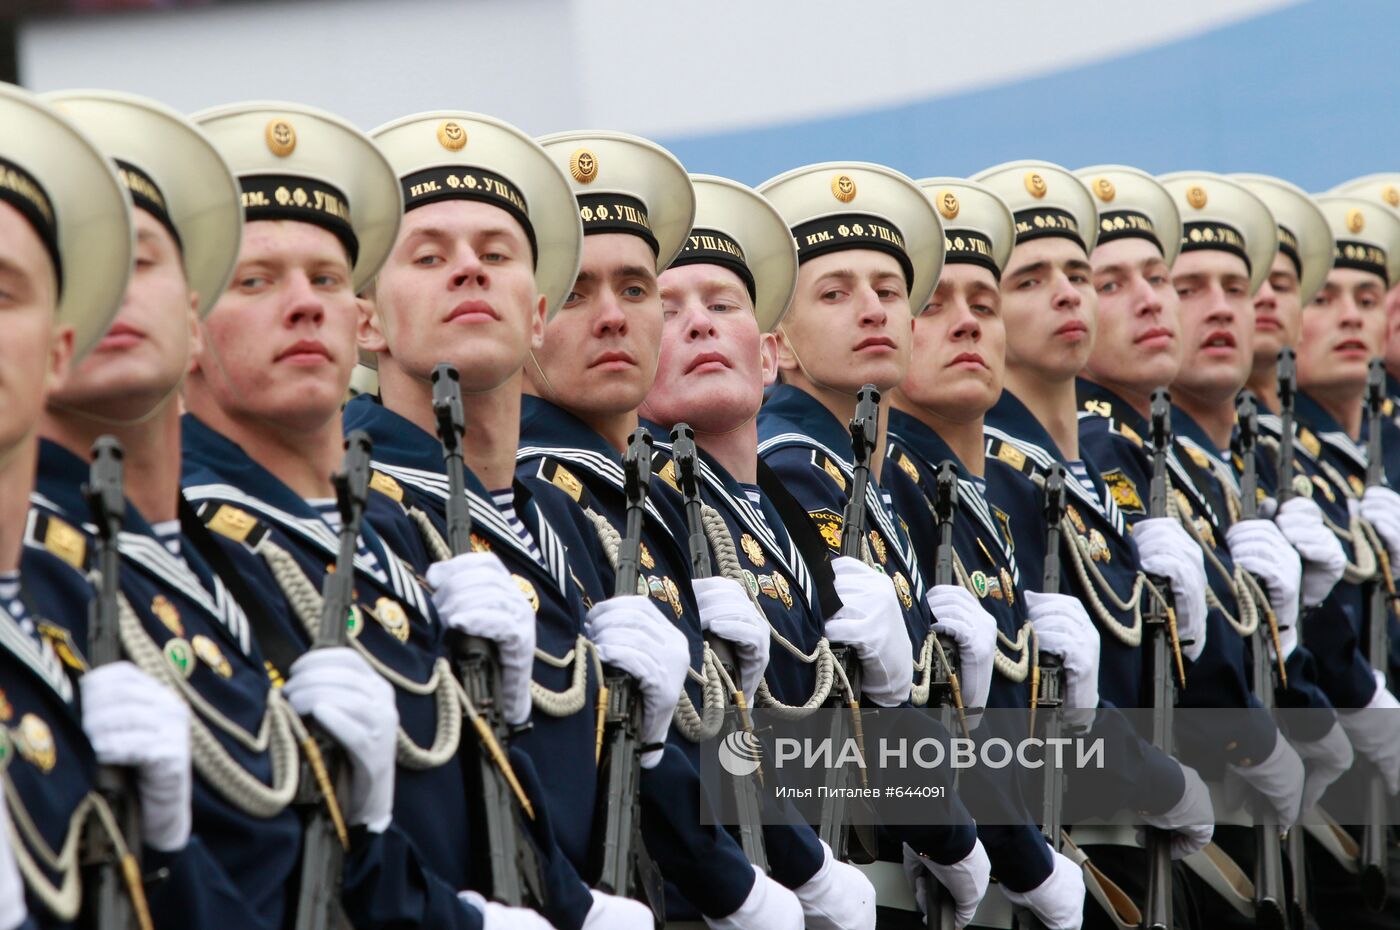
(394,524)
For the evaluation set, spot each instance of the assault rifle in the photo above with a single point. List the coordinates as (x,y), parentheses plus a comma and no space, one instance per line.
(515,870)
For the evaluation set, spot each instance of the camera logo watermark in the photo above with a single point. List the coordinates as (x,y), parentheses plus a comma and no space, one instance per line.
(740,753)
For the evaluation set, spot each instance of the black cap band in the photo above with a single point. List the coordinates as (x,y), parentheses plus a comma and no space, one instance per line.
(712,247)
(147,195)
(1361,256)
(1288,245)
(1220,237)
(1040,222)
(459,182)
(616,213)
(1128,224)
(284,197)
(969,247)
(22,190)
(852,231)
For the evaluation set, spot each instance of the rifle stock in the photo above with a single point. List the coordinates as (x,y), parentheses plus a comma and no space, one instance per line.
(1160,624)
(1268,854)
(326,777)
(685,455)
(1380,590)
(515,871)
(625,868)
(113,896)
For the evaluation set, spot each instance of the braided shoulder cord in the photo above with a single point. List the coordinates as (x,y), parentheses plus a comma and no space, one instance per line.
(564,703)
(306,603)
(212,761)
(63,900)
(694,725)
(1248,621)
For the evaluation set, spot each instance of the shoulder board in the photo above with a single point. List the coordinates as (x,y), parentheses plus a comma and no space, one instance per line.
(1008,454)
(1130,434)
(387,486)
(667,472)
(555,473)
(906,464)
(61,640)
(1197,456)
(833,471)
(1310,442)
(1388,406)
(228,520)
(59,538)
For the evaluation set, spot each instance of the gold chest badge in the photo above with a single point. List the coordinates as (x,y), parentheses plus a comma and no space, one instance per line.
(877,546)
(673,595)
(527,588)
(752,549)
(392,617)
(1008,587)
(166,612)
(208,652)
(766,586)
(783,588)
(480,543)
(7,710)
(647,561)
(901,587)
(981,586)
(34,741)
(1075,519)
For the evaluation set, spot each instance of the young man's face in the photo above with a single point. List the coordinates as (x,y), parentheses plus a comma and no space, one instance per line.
(1217,323)
(33,352)
(144,355)
(600,351)
(850,323)
(959,353)
(1048,302)
(714,362)
(458,287)
(1278,311)
(1137,343)
(1343,329)
(280,344)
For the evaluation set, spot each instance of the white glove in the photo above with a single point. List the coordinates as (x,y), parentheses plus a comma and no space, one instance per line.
(1191,820)
(1166,550)
(838,897)
(499,917)
(337,688)
(1375,732)
(1260,548)
(1325,759)
(134,721)
(727,611)
(957,614)
(609,912)
(871,622)
(1063,628)
(1380,506)
(769,906)
(12,908)
(1059,900)
(474,594)
(1324,559)
(1279,778)
(966,880)
(632,634)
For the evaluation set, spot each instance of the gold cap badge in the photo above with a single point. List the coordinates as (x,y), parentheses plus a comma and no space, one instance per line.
(452,136)
(583,165)
(1035,184)
(948,205)
(1356,221)
(1196,196)
(1104,189)
(281,137)
(843,188)
(1391,195)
